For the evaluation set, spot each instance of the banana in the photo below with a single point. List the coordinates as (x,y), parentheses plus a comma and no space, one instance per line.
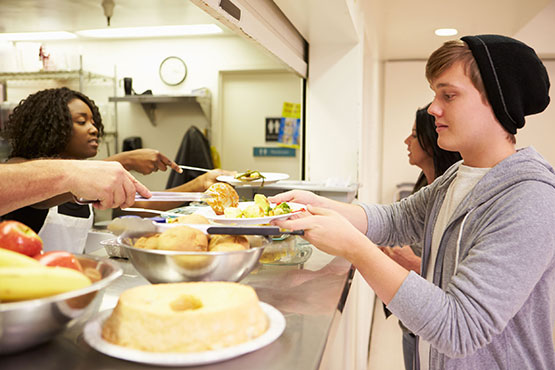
(9,258)
(21,283)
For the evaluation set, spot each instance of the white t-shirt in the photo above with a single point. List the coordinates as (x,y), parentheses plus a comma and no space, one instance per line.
(467,178)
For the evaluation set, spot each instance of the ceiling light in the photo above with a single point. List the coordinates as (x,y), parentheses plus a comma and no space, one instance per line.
(446,32)
(37,36)
(159,31)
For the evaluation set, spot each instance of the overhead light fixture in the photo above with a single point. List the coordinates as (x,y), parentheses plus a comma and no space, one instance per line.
(37,36)
(155,31)
(446,32)
(108,7)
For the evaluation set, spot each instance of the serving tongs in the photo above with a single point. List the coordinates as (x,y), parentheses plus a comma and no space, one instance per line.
(160,196)
(136,225)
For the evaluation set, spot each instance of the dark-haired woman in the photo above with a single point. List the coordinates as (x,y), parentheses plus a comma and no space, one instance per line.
(433,161)
(63,123)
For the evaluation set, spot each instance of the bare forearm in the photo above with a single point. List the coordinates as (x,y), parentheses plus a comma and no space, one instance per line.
(195,185)
(28,183)
(123,159)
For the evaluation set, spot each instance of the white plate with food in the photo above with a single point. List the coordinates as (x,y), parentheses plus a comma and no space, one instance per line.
(251,219)
(93,329)
(253,178)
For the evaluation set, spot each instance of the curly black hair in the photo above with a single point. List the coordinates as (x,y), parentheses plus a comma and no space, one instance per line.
(41,124)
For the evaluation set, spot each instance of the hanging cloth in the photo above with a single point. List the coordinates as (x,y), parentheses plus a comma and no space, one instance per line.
(193,151)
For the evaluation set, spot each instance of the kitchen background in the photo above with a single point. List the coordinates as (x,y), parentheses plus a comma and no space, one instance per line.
(357,66)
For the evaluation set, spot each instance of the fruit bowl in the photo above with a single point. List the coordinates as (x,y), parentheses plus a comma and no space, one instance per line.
(24,324)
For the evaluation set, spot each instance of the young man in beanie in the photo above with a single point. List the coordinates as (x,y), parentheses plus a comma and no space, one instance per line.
(486,297)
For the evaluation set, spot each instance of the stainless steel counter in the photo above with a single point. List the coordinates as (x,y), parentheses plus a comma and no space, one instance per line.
(310,297)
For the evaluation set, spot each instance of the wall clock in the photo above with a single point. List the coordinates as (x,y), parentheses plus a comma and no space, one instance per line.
(173,71)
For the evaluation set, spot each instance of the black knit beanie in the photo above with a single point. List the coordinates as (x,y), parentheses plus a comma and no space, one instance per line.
(515,79)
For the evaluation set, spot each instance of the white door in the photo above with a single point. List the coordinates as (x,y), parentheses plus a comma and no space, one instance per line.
(247,99)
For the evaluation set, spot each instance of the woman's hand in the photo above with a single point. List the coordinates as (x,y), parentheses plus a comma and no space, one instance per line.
(144,161)
(202,182)
(404,256)
(210,177)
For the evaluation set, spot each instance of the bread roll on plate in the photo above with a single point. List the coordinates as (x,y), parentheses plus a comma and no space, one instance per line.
(223,196)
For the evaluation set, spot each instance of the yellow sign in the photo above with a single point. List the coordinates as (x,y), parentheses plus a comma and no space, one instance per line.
(291,110)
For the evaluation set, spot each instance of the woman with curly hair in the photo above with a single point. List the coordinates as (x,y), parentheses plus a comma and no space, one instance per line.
(66,124)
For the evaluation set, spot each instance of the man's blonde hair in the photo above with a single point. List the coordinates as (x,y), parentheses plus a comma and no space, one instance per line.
(452,52)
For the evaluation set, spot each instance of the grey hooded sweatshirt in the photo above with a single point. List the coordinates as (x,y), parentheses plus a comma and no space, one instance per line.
(492,304)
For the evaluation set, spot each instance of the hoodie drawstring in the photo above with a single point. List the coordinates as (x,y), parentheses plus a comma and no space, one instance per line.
(457,251)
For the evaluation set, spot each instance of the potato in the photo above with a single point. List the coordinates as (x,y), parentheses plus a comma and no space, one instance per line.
(183,238)
(253,211)
(233,212)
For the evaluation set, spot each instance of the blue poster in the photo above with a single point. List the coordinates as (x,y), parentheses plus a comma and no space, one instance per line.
(289,129)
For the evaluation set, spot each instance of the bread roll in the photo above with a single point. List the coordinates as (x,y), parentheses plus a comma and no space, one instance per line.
(223,196)
(183,238)
(192,219)
(147,242)
(228,247)
(234,239)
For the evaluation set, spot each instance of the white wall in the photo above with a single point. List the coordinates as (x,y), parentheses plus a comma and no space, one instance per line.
(343,135)
(334,111)
(246,99)
(140,59)
(407,89)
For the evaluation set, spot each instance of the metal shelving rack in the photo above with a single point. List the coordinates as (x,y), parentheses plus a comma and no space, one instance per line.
(201,96)
(66,75)
(83,77)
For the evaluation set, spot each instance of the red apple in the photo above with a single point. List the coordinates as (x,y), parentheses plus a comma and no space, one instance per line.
(59,258)
(19,238)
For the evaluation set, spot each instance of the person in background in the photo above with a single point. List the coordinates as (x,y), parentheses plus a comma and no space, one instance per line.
(433,161)
(484,299)
(66,124)
(33,181)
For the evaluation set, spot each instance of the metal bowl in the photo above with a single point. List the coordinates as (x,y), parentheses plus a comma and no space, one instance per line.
(113,248)
(27,323)
(162,266)
(286,250)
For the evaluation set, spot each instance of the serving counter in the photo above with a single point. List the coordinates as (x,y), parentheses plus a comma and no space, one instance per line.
(310,296)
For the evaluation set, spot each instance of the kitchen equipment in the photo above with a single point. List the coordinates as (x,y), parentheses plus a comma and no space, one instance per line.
(137,225)
(194,168)
(269,178)
(113,249)
(168,196)
(158,196)
(162,266)
(286,250)
(28,323)
(209,213)
(155,211)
